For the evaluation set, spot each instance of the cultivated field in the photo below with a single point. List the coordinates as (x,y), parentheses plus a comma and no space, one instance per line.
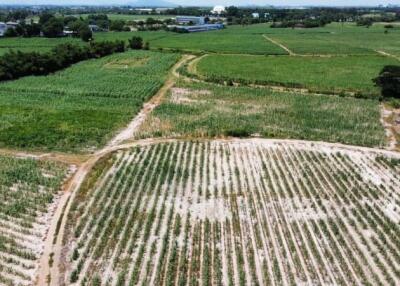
(334,39)
(80,108)
(33,44)
(165,192)
(318,74)
(338,38)
(238,213)
(207,110)
(28,190)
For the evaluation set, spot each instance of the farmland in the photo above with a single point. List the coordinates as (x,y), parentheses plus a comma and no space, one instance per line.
(346,39)
(206,110)
(32,44)
(238,213)
(334,39)
(318,74)
(245,156)
(80,108)
(28,190)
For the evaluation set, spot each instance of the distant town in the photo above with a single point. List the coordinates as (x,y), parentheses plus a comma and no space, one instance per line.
(75,21)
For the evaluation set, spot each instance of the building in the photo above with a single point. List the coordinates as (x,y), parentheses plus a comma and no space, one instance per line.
(200,28)
(3,28)
(94,28)
(12,25)
(218,10)
(190,20)
(255,15)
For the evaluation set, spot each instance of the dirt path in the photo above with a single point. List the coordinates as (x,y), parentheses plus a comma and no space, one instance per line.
(290,52)
(388,55)
(70,159)
(50,275)
(86,163)
(148,107)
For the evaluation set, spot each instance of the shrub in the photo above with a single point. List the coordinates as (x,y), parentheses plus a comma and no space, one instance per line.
(237,133)
(136,43)
(389,81)
(85,34)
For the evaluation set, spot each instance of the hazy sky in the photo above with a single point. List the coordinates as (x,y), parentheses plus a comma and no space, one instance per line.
(214,2)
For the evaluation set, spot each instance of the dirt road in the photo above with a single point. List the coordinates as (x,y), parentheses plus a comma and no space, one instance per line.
(50,275)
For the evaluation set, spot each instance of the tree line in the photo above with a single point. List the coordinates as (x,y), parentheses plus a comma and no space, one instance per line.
(16,64)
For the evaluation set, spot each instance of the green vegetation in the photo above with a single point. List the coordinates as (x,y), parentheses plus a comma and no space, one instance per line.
(81,107)
(185,212)
(338,39)
(234,39)
(27,188)
(34,44)
(126,17)
(334,38)
(319,74)
(206,110)
(389,81)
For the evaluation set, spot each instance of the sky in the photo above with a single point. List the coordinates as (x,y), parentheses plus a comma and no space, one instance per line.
(214,2)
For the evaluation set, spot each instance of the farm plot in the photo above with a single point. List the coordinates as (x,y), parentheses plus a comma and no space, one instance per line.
(80,108)
(28,190)
(234,39)
(207,110)
(318,74)
(338,39)
(33,44)
(243,212)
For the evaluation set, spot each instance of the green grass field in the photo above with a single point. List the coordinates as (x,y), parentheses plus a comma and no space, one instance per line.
(234,39)
(319,74)
(207,110)
(338,39)
(333,39)
(80,108)
(33,44)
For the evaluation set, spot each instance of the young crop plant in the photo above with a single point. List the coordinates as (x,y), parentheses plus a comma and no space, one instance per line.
(28,190)
(84,105)
(220,212)
(210,111)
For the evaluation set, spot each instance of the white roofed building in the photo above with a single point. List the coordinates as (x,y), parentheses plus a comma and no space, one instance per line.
(3,28)
(218,10)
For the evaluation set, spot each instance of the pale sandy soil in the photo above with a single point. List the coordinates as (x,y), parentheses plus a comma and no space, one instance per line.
(258,191)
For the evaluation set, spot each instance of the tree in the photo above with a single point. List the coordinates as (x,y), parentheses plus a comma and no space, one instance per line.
(117,25)
(232,11)
(136,43)
(53,28)
(10,32)
(45,17)
(85,34)
(389,81)
(32,30)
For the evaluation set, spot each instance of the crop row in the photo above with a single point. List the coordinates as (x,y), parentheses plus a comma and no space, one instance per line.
(27,188)
(220,213)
